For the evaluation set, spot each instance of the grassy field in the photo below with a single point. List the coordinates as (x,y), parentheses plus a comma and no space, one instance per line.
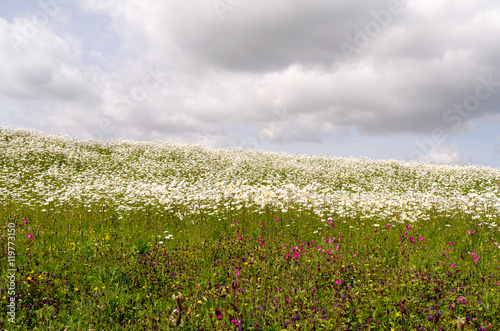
(155,236)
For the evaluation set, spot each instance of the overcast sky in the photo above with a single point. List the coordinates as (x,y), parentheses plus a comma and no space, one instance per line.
(382,79)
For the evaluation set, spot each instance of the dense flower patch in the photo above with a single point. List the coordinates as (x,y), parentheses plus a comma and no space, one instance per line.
(143,236)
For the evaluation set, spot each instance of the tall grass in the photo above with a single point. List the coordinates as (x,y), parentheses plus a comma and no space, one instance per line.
(144,236)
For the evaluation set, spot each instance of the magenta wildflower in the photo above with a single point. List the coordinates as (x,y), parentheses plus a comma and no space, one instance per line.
(452,265)
(452,243)
(296,254)
(30,236)
(475,258)
(237,273)
(422,239)
(338,281)
(412,239)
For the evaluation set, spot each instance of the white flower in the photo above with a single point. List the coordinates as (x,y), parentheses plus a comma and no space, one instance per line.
(376,224)
(161,242)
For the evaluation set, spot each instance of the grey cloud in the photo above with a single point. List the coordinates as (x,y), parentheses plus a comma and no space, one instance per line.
(271,55)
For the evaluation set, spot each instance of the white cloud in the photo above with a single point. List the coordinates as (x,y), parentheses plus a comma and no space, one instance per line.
(443,154)
(262,57)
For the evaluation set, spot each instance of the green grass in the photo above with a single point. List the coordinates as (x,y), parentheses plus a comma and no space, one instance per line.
(116,238)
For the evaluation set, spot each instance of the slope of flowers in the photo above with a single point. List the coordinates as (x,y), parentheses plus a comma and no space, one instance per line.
(39,169)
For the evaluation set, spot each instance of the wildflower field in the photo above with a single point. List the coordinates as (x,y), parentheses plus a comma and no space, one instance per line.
(156,236)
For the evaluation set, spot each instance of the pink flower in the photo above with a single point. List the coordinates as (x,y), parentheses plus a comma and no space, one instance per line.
(261,224)
(287,300)
(329,221)
(296,254)
(219,317)
(468,232)
(452,243)
(25,221)
(338,281)
(354,254)
(388,225)
(240,237)
(287,256)
(412,239)
(452,265)
(408,228)
(337,248)
(30,236)
(422,239)
(237,273)
(475,258)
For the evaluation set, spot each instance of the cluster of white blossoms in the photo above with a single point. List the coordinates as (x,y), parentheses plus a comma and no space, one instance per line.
(50,171)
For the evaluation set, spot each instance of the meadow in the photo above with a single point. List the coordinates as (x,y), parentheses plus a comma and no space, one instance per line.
(156,236)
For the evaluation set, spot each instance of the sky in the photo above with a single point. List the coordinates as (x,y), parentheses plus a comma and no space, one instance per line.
(382,79)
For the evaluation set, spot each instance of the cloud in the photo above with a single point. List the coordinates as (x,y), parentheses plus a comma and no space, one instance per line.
(407,69)
(443,154)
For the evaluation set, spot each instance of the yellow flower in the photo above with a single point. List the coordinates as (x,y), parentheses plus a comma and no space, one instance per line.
(397,314)
(29,278)
(199,301)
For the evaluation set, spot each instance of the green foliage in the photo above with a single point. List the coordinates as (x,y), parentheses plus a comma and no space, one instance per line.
(107,239)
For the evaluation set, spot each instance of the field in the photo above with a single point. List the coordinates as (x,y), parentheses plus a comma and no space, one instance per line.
(156,236)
